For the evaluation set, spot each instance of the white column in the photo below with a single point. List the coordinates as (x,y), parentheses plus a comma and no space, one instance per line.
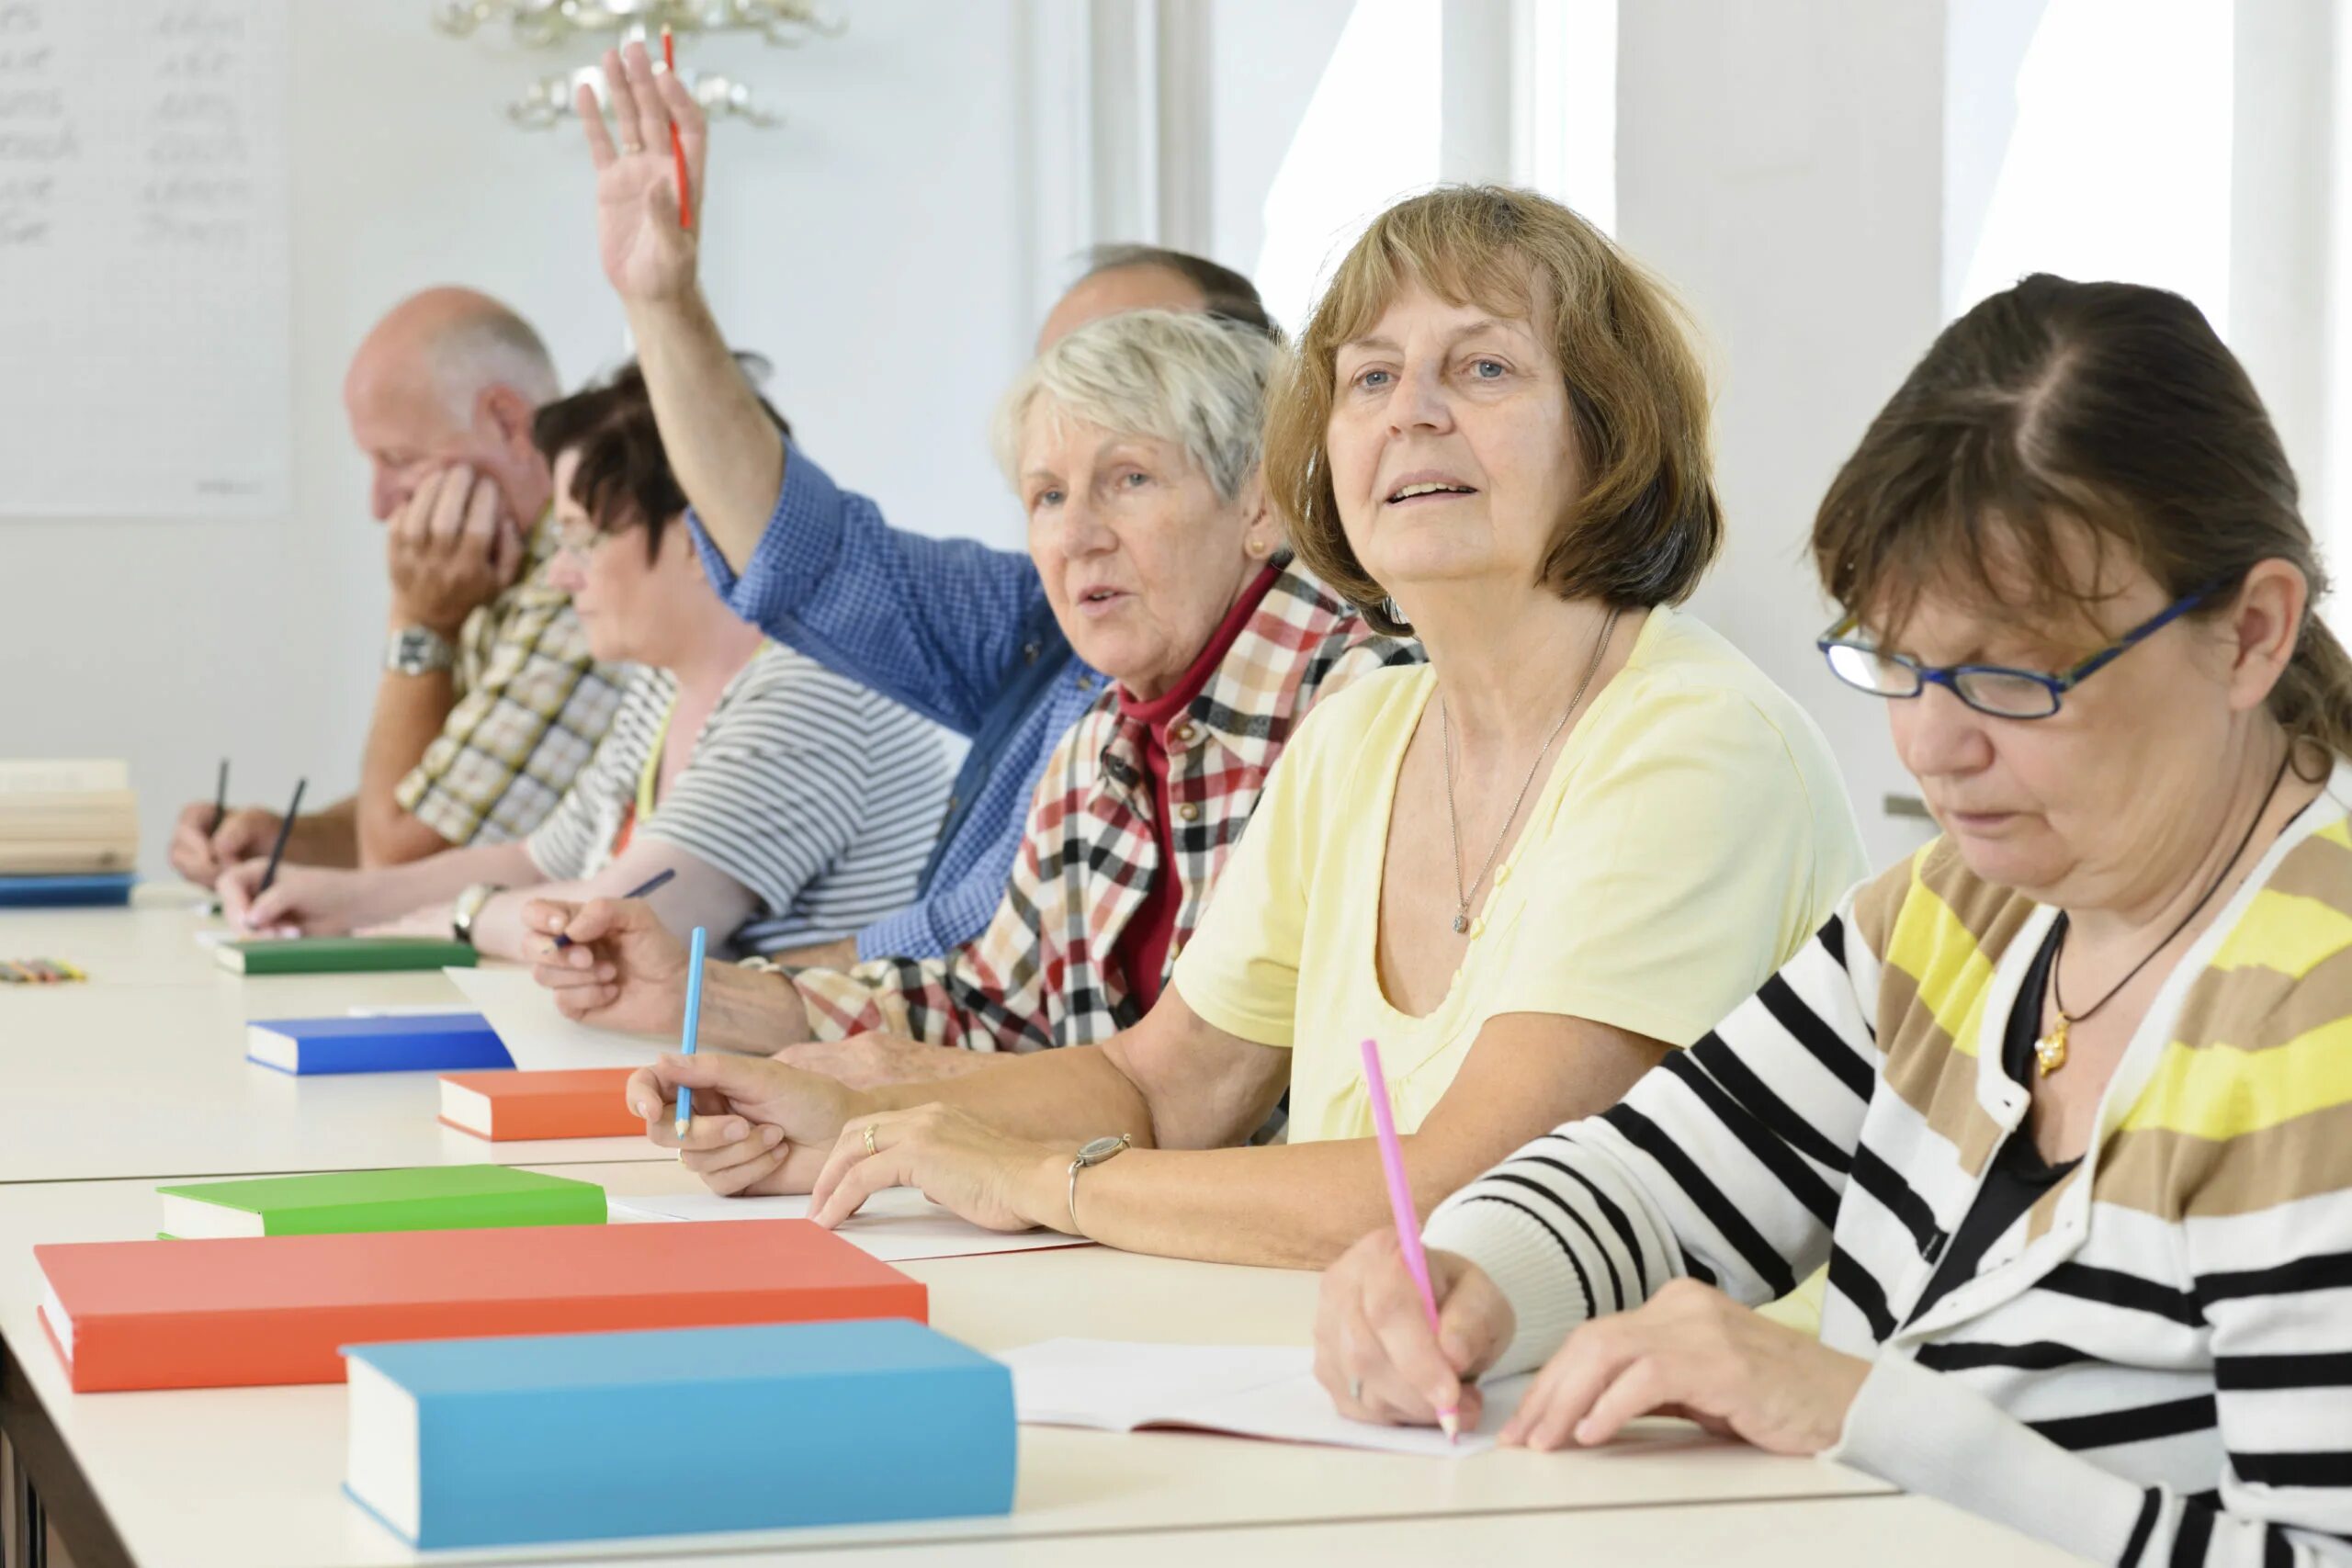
(1782,166)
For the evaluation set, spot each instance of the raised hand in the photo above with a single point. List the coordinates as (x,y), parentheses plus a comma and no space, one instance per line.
(648,257)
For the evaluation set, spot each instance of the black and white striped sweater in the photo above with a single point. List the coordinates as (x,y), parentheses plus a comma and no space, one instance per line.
(2153,1365)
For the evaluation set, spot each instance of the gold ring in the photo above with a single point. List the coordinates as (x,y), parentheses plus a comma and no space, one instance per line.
(870,1149)
(632,148)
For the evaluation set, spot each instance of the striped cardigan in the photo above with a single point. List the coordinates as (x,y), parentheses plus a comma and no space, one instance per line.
(2155,1364)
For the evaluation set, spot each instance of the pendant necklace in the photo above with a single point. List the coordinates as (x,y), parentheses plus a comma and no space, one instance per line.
(2050,1051)
(1462,896)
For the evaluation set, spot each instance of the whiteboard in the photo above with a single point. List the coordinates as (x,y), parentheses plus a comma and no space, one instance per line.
(146,354)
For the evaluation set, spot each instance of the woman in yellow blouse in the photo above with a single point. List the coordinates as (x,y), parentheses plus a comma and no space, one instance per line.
(1528,871)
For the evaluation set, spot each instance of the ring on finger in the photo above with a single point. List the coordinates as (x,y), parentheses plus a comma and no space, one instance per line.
(632,148)
(870,1149)
(1355,1390)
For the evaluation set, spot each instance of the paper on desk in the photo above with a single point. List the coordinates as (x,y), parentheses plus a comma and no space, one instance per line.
(896,1224)
(524,1017)
(1252,1390)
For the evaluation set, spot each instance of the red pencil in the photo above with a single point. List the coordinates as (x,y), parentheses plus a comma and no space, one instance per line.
(678,142)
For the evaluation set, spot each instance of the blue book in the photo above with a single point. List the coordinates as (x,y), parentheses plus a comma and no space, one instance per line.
(427,1042)
(581,1437)
(95,890)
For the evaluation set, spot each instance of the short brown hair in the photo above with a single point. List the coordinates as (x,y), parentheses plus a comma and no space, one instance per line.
(2109,406)
(1648,525)
(624,479)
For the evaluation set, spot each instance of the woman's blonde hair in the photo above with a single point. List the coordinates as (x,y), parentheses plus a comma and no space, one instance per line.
(1193,380)
(1647,524)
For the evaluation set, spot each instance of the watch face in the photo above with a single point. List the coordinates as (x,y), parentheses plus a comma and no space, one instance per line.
(1101,1149)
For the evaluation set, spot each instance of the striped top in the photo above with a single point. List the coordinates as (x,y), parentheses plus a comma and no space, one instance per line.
(817,796)
(2150,1365)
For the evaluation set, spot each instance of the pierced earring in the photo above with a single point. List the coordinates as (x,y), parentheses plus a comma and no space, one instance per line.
(1257,550)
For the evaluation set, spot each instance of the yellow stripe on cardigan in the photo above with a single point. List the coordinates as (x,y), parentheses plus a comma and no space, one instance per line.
(2284,931)
(2338,832)
(1929,944)
(2219,1091)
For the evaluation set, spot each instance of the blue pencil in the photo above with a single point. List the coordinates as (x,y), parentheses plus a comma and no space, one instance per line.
(693,1024)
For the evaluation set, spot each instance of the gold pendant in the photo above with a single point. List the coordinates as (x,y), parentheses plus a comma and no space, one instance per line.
(2050,1051)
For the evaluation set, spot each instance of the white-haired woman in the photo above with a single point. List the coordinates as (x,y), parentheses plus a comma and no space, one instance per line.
(1133,444)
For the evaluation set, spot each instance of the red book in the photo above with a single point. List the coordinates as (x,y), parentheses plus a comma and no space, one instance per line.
(579,1102)
(249,1310)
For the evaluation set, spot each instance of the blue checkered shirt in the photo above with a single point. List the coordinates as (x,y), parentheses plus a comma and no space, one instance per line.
(957,631)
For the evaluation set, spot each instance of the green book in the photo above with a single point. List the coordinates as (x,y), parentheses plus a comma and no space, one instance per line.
(343,954)
(428,1198)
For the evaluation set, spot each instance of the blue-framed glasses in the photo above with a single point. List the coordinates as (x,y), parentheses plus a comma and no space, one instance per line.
(1991,689)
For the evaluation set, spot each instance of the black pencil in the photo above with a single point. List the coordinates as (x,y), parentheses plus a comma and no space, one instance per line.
(285,828)
(639,891)
(221,797)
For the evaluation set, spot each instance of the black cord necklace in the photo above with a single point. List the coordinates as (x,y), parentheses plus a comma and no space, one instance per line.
(2050,1051)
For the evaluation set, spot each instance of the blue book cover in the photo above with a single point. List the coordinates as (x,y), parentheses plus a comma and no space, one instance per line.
(580,1437)
(429,1043)
(95,890)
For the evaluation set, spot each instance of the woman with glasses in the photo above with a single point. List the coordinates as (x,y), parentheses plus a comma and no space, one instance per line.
(789,805)
(2064,1102)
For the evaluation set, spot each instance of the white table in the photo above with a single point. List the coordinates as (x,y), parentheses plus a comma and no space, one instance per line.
(104,1081)
(152,943)
(251,1477)
(1803,1533)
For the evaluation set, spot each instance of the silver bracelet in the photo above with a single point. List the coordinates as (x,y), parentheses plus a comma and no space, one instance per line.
(1094,1153)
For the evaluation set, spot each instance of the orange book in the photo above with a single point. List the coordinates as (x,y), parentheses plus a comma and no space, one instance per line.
(250,1310)
(579,1102)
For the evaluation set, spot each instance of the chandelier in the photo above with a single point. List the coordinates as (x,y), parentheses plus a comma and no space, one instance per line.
(555,24)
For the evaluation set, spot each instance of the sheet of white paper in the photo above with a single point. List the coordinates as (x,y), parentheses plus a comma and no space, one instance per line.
(412,1010)
(896,1224)
(539,1038)
(1249,1389)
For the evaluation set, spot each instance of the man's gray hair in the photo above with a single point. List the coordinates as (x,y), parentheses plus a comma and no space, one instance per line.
(1191,380)
(489,348)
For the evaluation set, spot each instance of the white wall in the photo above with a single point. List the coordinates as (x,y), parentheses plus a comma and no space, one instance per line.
(872,247)
(1782,166)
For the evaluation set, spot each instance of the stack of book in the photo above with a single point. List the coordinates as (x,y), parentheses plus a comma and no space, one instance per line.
(61,820)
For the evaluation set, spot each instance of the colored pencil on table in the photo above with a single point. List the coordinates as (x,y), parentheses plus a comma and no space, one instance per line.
(657,880)
(678,142)
(1400,1204)
(693,1025)
(221,797)
(285,829)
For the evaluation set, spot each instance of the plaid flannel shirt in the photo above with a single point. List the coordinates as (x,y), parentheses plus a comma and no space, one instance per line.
(532,704)
(1040,974)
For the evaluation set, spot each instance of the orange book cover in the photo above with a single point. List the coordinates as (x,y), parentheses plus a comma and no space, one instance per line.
(251,1310)
(580,1102)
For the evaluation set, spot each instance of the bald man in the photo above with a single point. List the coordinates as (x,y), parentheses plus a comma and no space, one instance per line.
(489,701)
(954,630)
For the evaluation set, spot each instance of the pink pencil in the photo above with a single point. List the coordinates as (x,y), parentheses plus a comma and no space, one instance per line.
(1400,1206)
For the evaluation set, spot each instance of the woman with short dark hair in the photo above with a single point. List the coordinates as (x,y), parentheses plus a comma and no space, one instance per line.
(2063,1101)
(792,806)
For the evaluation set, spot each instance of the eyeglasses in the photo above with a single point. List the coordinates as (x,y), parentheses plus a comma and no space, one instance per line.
(1991,689)
(580,540)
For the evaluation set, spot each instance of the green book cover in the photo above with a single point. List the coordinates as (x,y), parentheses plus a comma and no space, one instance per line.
(428,1198)
(343,954)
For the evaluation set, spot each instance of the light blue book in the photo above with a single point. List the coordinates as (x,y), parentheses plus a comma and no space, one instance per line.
(578,1437)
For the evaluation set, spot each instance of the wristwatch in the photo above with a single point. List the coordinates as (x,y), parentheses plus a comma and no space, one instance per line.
(468,908)
(418,650)
(1092,1153)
